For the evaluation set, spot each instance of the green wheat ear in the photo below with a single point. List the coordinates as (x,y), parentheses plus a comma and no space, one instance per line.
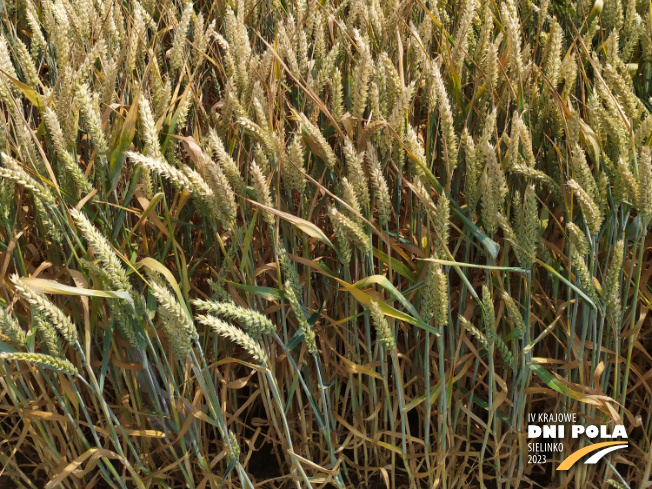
(475,332)
(254,323)
(48,310)
(58,364)
(379,184)
(615,484)
(239,337)
(259,182)
(112,265)
(177,326)
(436,298)
(383,331)
(514,313)
(11,329)
(304,326)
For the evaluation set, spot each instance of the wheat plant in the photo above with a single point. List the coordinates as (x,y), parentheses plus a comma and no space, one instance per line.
(303,244)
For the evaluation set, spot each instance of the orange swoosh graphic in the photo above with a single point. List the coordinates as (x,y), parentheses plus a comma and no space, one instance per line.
(575,456)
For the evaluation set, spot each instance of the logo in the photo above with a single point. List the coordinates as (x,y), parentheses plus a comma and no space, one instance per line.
(602,449)
(553,429)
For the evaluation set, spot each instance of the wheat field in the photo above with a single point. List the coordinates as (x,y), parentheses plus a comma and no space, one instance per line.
(323,244)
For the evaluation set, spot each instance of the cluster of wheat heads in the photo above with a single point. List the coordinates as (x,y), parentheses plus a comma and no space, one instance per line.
(322,244)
